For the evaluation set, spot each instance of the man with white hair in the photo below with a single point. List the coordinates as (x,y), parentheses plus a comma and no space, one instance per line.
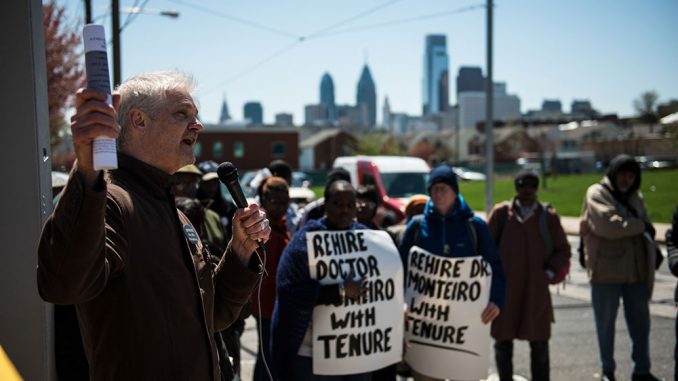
(148,297)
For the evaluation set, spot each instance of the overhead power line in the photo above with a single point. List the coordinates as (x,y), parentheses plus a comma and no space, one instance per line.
(326,30)
(240,20)
(406,20)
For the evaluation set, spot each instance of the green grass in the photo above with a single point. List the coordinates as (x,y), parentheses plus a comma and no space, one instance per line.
(566,193)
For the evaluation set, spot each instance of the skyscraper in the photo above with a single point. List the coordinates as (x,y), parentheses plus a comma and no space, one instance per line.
(470,78)
(436,83)
(254,112)
(327,97)
(367,95)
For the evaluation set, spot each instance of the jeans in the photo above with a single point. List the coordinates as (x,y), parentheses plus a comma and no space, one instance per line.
(303,371)
(605,299)
(539,360)
(264,353)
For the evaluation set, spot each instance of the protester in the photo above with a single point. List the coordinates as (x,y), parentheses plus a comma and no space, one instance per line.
(672,249)
(316,209)
(274,196)
(445,230)
(414,207)
(281,168)
(620,262)
(367,202)
(209,194)
(147,297)
(534,250)
(206,221)
(297,293)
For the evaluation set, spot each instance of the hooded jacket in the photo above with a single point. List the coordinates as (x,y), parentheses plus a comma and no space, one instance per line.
(613,226)
(449,236)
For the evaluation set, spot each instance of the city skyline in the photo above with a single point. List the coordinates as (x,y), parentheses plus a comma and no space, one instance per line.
(606,52)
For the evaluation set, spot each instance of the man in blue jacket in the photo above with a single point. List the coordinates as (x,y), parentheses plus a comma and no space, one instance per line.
(448,228)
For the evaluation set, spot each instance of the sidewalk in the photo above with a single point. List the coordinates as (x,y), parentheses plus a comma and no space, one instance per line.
(571,226)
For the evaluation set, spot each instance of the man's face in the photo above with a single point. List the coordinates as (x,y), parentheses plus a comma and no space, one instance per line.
(275,203)
(186,185)
(210,187)
(443,197)
(340,208)
(527,190)
(625,180)
(172,133)
(365,210)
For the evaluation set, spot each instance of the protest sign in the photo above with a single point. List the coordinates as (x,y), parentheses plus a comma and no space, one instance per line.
(445,298)
(366,334)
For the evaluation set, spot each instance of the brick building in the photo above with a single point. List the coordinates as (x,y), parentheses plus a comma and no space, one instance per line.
(320,149)
(248,148)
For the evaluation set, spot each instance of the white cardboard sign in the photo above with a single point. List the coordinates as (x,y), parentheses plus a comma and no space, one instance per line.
(367,334)
(445,298)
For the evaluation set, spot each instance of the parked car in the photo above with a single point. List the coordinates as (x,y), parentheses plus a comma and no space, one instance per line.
(466,174)
(300,192)
(396,178)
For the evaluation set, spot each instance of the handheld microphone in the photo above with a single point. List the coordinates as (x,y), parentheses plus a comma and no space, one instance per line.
(228,175)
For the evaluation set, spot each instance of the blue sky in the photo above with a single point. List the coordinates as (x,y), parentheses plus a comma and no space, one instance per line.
(607,51)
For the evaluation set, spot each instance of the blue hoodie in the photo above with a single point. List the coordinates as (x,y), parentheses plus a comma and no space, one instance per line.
(438,232)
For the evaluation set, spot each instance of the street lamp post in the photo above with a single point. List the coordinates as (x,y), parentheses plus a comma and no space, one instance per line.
(489,117)
(115,26)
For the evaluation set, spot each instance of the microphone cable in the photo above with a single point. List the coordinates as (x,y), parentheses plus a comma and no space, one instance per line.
(262,349)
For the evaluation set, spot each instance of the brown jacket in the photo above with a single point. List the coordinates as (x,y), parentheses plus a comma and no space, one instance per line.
(148,300)
(615,248)
(528,312)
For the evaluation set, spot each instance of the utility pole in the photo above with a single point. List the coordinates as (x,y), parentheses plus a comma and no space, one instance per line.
(115,30)
(88,11)
(489,117)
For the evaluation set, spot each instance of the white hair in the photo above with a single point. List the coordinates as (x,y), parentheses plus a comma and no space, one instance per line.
(148,92)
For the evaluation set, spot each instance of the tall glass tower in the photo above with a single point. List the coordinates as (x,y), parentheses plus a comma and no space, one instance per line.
(436,81)
(327,96)
(367,95)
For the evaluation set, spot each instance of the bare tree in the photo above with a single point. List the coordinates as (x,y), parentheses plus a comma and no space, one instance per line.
(645,106)
(64,68)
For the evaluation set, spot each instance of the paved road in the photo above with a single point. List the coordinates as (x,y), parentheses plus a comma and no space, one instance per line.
(574,350)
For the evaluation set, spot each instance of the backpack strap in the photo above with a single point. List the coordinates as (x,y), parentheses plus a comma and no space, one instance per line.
(416,225)
(545,232)
(471,227)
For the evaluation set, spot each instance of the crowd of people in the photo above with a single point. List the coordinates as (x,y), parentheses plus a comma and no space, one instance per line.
(163,270)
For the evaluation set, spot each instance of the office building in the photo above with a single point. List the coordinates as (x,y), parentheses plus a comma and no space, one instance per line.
(254,113)
(327,97)
(470,79)
(436,81)
(367,97)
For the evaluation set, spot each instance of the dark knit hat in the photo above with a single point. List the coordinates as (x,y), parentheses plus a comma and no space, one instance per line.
(338,174)
(526,175)
(443,174)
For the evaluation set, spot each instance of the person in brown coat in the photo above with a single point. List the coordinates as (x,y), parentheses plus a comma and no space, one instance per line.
(528,312)
(147,296)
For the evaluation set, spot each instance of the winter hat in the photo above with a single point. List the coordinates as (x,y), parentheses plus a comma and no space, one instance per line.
(524,175)
(443,174)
